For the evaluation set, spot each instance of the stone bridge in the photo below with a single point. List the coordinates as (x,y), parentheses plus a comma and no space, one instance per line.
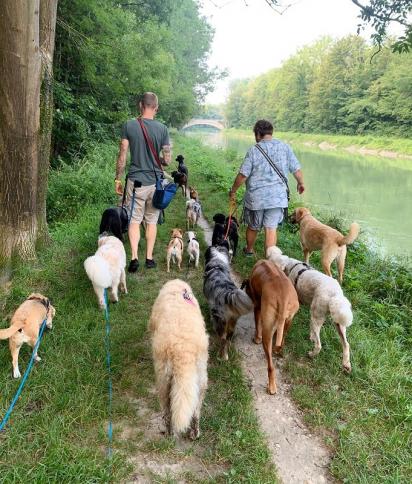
(214,123)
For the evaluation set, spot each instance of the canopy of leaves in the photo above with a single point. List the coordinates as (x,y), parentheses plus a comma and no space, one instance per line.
(330,86)
(110,52)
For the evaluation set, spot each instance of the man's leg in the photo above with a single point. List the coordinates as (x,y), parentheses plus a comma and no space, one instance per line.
(134,238)
(151,231)
(270,237)
(250,239)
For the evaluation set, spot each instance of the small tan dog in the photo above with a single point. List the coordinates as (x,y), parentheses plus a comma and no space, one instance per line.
(193,210)
(180,354)
(193,193)
(315,235)
(25,326)
(175,248)
(275,304)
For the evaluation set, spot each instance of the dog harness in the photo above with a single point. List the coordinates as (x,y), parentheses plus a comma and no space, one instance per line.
(46,302)
(188,297)
(306,267)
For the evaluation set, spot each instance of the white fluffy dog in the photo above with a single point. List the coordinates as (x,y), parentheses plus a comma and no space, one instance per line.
(180,353)
(323,294)
(193,210)
(193,248)
(106,268)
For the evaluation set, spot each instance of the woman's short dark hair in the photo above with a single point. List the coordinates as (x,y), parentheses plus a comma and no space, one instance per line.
(263,127)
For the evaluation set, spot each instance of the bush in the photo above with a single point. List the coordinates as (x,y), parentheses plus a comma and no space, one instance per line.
(84,182)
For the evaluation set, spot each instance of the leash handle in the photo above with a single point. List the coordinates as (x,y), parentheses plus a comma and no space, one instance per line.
(25,376)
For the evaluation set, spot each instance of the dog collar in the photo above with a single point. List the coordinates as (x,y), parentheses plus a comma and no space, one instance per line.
(306,267)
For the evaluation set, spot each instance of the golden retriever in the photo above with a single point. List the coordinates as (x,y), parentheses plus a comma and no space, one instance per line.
(25,326)
(180,354)
(275,304)
(315,235)
(175,248)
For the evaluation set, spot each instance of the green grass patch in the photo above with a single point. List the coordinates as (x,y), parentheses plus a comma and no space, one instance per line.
(366,417)
(57,432)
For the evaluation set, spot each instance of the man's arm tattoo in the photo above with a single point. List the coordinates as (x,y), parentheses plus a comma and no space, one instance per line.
(121,159)
(167,154)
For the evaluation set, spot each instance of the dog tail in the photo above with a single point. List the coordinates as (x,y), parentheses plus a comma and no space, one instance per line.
(98,271)
(239,301)
(184,396)
(341,310)
(352,235)
(8,332)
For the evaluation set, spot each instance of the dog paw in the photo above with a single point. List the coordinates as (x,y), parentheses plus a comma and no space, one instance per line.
(16,373)
(37,358)
(257,340)
(272,390)
(347,368)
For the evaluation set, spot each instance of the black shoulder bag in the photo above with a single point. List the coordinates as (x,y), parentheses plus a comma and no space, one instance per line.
(280,175)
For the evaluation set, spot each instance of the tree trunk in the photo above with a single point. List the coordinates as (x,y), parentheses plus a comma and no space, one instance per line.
(19,129)
(48,12)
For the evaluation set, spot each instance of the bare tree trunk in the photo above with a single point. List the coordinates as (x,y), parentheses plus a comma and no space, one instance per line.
(19,129)
(48,12)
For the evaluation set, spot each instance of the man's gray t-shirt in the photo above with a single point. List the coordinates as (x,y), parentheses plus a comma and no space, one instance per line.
(142,163)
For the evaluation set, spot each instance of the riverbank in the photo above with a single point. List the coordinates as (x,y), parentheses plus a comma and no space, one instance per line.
(367,145)
(364,417)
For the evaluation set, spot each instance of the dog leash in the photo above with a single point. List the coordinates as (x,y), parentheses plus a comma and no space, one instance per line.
(109,381)
(232,210)
(25,376)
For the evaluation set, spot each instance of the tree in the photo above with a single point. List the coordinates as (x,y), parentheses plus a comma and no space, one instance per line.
(20,64)
(48,12)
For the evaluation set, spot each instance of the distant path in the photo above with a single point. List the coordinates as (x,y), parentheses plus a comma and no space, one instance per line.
(300,456)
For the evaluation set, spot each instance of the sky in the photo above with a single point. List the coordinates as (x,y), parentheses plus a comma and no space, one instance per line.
(251,38)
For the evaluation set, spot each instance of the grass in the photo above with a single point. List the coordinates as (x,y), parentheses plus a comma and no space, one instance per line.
(364,417)
(401,146)
(57,432)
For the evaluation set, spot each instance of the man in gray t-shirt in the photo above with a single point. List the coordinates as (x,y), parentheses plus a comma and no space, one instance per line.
(142,174)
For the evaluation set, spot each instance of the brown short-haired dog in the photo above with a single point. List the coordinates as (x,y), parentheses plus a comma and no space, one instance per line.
(275,304)
(315,235)
(25,326)
(175,248)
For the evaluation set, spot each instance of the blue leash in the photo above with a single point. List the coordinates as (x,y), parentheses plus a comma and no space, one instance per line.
(25,376)
(109,382)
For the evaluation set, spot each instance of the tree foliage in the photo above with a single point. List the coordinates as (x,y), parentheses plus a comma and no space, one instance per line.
(330,86)
(108,53)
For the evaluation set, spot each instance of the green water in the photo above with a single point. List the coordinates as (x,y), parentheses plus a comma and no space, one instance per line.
(377,193)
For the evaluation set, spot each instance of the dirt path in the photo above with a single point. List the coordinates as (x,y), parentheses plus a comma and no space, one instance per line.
(299,456)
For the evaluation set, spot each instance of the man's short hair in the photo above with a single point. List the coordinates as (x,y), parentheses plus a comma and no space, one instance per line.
(149,100)
(263,127)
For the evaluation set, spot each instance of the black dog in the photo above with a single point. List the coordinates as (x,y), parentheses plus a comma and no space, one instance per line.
(181,180)
(114,221)
(182,168)
(221,228)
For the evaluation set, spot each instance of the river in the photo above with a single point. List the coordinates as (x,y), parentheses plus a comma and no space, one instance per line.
(376,192)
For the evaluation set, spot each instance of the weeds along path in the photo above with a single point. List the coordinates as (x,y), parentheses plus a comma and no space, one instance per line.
(299,455)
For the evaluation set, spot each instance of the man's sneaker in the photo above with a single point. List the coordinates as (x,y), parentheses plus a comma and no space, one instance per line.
(133,266)
(150,264)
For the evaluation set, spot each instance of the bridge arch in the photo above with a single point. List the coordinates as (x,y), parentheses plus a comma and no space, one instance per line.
(214,123)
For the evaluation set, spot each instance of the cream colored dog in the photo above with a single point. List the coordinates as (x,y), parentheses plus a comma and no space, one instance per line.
(25,326)
(175,249)
(180,354)
(324,296)
(315,235)
(106,268)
